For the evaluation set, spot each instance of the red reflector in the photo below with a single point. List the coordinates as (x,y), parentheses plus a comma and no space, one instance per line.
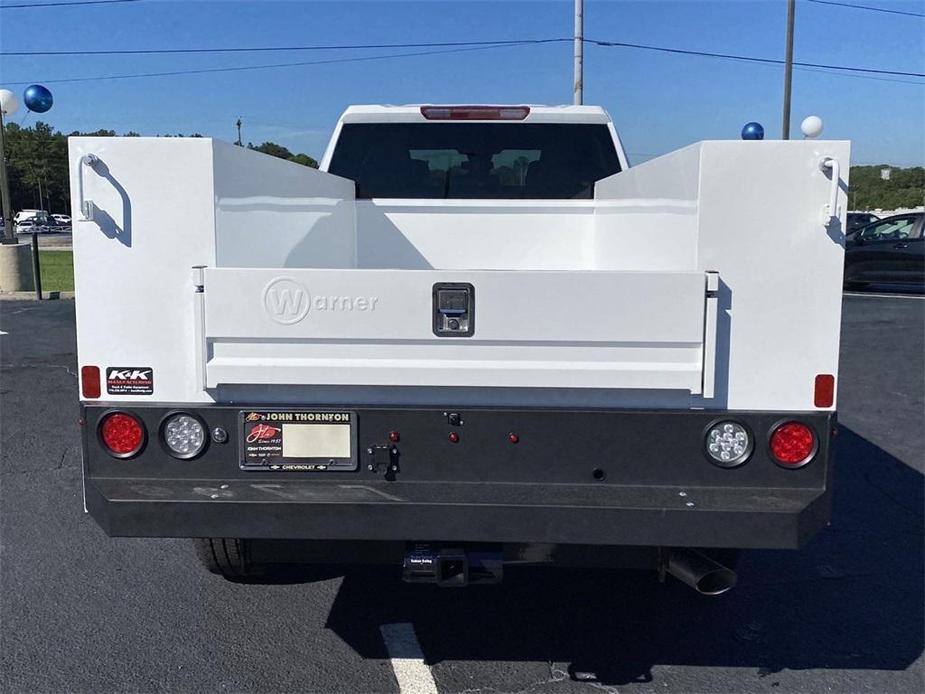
(793,444)
(90,381)
(475,112)
(824,392)
(122,434)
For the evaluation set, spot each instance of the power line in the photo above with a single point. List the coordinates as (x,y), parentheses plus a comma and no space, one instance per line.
(263,49)
(466,46)
(866,7)
(239,68)
(753,59)
(64,4)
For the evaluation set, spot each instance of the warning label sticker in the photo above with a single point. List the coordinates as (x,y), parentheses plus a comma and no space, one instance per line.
(130,380)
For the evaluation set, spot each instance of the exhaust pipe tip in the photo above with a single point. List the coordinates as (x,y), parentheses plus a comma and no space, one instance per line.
(700,572)
(716,582)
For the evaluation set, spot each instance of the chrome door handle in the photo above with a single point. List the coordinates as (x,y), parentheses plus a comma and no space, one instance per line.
(900,245)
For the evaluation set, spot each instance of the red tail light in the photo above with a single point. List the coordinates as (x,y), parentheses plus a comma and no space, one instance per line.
(90,381)
(475,112)
(824,391)
(793,444)
(122,434)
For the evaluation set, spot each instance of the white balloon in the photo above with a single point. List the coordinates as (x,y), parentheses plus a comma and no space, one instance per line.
(811,126)
(9,104)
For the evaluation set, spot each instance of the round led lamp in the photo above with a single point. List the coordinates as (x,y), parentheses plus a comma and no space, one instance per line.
(183,435)
(728,444)
(122,434)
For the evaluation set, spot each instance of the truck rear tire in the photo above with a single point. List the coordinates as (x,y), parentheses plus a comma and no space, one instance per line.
(226,557)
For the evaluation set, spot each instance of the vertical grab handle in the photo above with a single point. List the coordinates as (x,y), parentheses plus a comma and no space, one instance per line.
(830,213)
(86,206)
(710,320)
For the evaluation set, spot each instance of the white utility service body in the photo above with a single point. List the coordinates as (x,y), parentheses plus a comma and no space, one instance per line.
(657,302)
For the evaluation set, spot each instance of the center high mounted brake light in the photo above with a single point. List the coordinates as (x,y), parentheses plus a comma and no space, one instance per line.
(475,112)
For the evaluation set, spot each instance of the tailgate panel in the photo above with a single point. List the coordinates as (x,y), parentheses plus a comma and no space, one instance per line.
(532,328)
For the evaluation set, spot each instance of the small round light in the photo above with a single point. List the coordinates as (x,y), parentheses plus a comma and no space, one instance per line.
(728,444)
(454,437)
(394,437)
(513,438)
(122,434)
(793,444)
(184,436)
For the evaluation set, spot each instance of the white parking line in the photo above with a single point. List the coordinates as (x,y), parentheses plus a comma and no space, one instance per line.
(413,675)
(887,296)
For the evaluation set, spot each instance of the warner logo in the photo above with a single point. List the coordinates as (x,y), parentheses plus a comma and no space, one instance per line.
(287,301)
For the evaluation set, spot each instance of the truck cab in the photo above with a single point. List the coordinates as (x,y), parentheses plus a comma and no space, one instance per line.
(474,336)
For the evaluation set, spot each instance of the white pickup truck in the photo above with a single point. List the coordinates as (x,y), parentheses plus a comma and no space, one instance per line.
(474,336)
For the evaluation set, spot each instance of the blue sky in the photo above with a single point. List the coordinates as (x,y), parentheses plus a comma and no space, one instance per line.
(660,102)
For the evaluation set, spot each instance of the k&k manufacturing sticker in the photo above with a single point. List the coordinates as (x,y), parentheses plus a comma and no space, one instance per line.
(129,380)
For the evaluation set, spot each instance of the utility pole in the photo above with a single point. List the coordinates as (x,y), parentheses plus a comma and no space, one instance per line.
(788,70)
(238,125)
(578,86)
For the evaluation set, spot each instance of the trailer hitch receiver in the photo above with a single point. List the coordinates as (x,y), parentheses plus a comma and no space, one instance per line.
(452,567)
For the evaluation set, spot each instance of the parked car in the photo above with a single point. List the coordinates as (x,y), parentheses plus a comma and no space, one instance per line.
(889,251)
(856,220)
(26,226)
(65,219)
(23,215)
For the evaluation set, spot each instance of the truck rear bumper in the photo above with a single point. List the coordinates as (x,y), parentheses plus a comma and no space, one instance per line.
(565,514)
(595,477)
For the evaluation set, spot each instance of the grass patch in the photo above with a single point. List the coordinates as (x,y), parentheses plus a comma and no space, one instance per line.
(57,269)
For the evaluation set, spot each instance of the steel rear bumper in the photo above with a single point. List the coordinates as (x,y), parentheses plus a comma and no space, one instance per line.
(594,477)
(566,514)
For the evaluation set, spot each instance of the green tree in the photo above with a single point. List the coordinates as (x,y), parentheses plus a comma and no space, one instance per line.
(275,150)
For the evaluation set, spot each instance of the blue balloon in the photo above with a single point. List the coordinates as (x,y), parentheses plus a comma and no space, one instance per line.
(37,98)
(753,131)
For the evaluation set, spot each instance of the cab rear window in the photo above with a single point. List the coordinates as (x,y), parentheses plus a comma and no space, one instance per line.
(546,161)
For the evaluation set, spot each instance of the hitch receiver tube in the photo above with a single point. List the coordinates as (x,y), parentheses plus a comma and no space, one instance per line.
(452,567)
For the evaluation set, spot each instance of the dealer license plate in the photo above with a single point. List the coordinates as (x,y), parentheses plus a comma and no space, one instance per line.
(293,440)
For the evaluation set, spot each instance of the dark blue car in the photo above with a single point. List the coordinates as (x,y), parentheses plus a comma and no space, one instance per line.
(888,251)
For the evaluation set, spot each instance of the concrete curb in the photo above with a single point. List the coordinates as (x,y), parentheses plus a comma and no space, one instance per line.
(25,296)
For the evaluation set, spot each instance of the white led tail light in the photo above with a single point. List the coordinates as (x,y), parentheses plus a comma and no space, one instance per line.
(184,435)
(728,444)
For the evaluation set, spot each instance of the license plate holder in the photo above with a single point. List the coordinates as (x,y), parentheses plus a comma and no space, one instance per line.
(294,440)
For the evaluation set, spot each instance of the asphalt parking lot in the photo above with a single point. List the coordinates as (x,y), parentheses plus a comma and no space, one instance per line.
(85,613)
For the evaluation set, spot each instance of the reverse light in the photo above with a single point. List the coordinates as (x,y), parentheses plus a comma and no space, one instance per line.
(793,444)
(183,435)
(475,112)
(122,434)
(728,444)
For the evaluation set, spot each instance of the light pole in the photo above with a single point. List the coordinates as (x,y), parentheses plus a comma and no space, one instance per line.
(788,70)
(578,82)
(14,256)
(8,106)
